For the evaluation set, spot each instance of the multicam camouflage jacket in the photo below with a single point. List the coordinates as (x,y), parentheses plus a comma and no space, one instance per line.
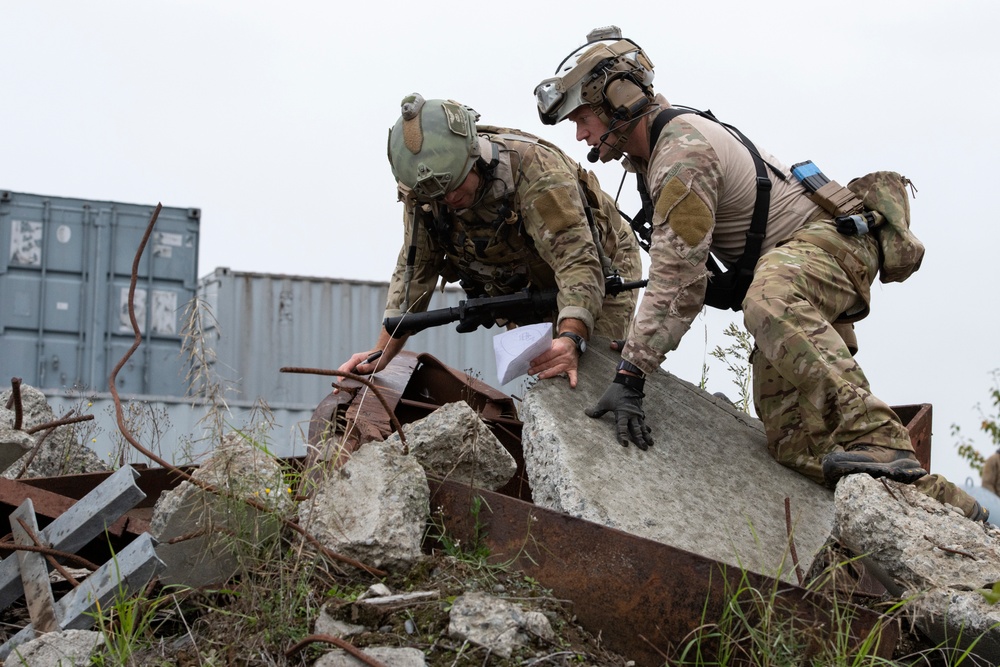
(702,182)
(528,229)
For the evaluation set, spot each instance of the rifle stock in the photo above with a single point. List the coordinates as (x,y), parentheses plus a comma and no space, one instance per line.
(484,311)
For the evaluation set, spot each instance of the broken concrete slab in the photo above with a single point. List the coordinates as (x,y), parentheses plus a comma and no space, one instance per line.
(496,624)
(59,452)
(454,443)
(328,624)
(209,529)
(707,486)
(928,555)
(13,443)
(59,649)
(373,509)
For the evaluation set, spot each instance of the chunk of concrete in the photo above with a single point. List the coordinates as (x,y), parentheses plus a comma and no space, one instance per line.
(64,648)
(454,443)
(373,509)
(327,624)
(935,559)
(209,529)
(13,443)
(497,624)
(59,452)
(707,485)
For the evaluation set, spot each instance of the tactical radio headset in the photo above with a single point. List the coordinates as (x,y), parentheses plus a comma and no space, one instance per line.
(606,78)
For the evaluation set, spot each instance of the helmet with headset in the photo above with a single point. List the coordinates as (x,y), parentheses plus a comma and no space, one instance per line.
(610,74)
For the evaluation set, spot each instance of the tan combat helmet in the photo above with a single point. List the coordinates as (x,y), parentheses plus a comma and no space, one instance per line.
(433,145)
(609,73)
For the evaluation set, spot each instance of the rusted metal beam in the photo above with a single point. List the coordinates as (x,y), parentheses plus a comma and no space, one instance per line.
(643,597)
(918,422)
(152,482)
(127,572)
(51,505)
(78,525)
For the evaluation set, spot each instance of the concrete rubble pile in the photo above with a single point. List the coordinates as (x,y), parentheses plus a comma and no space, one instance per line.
(928,554)
(707,486)
(52,452)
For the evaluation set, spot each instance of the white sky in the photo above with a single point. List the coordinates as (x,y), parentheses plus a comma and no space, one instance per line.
(273,117)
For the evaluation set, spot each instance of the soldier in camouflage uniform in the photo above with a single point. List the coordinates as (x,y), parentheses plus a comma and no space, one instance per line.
(500,210)
(991,473)
(808,287)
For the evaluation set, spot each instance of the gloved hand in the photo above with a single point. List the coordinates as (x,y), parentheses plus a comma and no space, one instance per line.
(624,396)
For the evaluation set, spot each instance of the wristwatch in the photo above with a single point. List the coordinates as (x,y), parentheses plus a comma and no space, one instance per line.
(630,367)
(581,344)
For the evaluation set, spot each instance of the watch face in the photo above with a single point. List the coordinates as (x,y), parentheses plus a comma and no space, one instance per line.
(582,346)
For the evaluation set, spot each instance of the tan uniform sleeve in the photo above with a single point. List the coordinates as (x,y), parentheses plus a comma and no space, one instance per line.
(684,196)
(554,217)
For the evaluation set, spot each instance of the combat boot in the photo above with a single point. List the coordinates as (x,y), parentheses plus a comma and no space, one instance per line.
(940,489)
(900,465)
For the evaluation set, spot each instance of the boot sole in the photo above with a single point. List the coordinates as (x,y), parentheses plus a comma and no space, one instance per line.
(905,474)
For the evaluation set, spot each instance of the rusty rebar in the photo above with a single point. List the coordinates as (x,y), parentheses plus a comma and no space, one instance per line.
(351,376)
(338,642)
(791,539)
(15,402)
(49,551)
(205,486)
(949,549)
(49,557)
(65,421)
(28,460)
(51,426)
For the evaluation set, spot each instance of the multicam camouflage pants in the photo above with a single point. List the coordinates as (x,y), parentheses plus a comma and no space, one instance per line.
(808,390)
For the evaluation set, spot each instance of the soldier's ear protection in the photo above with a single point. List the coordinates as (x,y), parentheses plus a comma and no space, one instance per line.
(617,84)
(626,96)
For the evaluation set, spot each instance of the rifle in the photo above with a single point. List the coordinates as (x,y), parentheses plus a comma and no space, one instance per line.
(521,307)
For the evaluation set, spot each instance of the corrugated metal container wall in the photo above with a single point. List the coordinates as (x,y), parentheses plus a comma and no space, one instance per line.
(64,282)
(266,322)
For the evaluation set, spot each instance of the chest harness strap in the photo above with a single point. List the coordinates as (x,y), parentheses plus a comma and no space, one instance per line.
(725,289)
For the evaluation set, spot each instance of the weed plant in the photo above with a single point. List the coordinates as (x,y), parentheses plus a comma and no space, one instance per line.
(990,425)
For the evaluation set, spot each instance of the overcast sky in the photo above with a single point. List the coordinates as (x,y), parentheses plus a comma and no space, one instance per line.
(272,118)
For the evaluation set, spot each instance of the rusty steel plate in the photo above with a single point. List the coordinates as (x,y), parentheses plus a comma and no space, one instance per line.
(642,597)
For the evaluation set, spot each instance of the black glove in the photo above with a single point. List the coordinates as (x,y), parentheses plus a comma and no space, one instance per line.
(624,396)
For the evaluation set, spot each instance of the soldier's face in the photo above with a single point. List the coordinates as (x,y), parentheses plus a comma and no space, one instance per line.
(465,194)
(590,128)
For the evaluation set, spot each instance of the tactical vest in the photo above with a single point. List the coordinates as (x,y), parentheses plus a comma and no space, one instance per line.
(486,255)
(488,252)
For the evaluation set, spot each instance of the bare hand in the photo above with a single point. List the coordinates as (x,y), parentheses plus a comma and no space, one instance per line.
(359,364)
(560,358)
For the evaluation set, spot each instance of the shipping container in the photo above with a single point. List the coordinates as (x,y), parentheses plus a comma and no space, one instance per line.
(178,429)
(262,322)
(65,271)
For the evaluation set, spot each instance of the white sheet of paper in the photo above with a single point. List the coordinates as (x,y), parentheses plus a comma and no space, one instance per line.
(516,348)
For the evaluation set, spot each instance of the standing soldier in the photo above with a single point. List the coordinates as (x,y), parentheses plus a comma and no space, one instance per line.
(500,211)
(991,473)
(801,283)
